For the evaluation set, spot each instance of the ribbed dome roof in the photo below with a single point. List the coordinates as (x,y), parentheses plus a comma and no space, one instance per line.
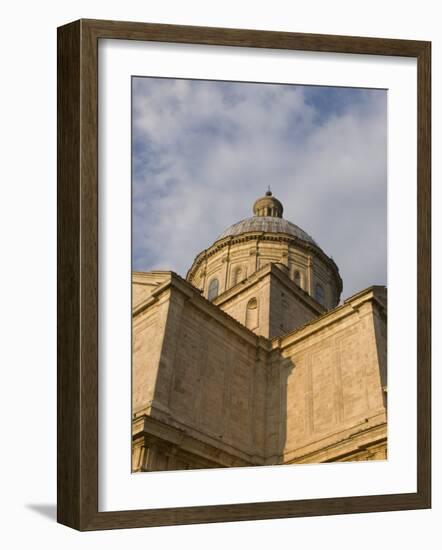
(268,224)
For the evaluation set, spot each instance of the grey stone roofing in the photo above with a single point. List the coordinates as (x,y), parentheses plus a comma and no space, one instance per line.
(267,224)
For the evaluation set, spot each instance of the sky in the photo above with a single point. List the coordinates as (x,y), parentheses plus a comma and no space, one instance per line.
(204,151)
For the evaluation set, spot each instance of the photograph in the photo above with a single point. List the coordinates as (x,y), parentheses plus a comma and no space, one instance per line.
(259,274)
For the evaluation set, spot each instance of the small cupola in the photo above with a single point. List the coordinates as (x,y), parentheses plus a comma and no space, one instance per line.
(268,206)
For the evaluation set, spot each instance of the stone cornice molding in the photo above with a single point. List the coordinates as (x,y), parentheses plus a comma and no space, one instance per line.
(368,432)
(350,305)
(192,440)
(174,281)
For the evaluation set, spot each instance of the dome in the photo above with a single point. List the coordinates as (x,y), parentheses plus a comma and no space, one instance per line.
(267,219)
(267,224)
(266,238)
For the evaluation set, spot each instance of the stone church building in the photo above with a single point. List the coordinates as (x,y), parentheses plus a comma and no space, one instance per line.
(252,359)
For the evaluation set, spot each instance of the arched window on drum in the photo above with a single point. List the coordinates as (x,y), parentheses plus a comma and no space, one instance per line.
(320,294)
(297,277)
(213,289)
(252,314)
(238,275)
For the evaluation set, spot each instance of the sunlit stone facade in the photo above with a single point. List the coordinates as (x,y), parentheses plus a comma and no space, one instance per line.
(252,360)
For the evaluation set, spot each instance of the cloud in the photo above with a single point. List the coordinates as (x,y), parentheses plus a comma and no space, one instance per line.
(203,151)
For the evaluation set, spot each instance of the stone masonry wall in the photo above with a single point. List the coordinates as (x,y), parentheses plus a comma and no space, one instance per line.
(287,311)
(210,379)
(207,392)
(333,385)
(236,306)
(282,305)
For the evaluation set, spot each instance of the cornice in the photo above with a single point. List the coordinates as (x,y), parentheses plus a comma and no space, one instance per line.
(183,435)
(368,432)
(350,305)
(174,281)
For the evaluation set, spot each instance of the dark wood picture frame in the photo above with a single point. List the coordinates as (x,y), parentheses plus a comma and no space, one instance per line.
(77,226)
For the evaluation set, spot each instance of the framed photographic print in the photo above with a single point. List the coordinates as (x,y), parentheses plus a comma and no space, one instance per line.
(232,207)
